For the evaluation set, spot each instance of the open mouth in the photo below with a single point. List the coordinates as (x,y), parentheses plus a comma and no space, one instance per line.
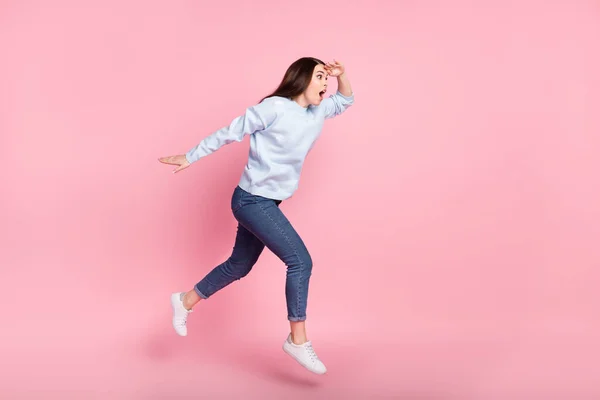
(322,93)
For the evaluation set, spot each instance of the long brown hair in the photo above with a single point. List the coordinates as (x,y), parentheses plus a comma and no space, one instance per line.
(296,78)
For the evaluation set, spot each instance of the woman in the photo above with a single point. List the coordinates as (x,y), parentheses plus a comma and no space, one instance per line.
(283,127)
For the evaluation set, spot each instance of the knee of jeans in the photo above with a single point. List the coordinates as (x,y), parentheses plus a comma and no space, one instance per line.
(240,268)
(307,262)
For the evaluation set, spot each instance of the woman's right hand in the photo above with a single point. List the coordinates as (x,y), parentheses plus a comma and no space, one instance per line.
(179,160)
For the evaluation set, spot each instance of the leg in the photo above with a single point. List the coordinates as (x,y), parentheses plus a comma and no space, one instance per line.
(298,332)
(267,222)
(246,251)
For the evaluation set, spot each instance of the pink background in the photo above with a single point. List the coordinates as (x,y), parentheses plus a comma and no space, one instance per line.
(452,213)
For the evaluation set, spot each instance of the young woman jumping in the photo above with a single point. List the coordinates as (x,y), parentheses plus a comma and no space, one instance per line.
(283,128)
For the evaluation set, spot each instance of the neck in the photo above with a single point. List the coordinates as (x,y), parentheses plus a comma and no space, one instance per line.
(301,100)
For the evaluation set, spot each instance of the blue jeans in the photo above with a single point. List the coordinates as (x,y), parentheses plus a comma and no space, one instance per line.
(261,223)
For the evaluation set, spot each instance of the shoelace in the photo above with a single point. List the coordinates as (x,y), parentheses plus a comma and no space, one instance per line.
(182,320)
(311,353)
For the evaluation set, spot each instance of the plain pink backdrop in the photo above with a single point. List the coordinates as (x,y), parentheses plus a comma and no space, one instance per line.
(452,212)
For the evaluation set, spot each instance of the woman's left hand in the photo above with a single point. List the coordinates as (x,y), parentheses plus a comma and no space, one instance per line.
(335,68)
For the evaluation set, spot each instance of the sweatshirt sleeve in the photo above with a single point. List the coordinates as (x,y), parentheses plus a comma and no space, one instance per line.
(255,118)
(336,104)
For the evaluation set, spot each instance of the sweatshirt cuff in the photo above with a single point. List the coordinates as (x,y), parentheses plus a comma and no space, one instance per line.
(188,157)
(348,98)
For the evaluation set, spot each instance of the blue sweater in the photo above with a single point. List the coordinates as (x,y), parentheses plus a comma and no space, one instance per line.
(282,132)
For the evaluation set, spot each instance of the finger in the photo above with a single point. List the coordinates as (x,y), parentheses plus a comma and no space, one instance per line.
(182,166)
(172,160)
(166,160)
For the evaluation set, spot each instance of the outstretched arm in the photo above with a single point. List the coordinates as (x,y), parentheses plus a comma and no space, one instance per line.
(255,118)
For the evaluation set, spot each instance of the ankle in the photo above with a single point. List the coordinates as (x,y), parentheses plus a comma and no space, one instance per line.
(188,303)
(299,339)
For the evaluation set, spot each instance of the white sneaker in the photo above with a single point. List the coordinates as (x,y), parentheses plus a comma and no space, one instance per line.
(305,355)
(180,314)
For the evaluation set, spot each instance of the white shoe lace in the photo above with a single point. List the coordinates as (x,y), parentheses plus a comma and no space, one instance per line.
(311,352)
(182,319)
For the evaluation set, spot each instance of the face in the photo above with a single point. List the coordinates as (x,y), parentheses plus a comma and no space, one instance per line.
(318,86)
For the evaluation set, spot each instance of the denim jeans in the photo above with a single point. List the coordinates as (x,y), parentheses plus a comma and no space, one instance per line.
(261,223)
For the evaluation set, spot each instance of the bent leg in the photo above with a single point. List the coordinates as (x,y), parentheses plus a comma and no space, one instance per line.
(246,251)
(268,223)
